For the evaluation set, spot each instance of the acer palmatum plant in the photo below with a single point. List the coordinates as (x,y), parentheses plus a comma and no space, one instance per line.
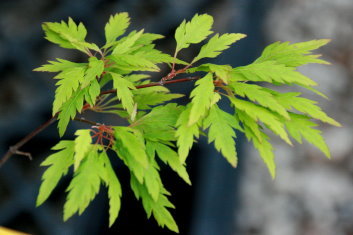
(113,81)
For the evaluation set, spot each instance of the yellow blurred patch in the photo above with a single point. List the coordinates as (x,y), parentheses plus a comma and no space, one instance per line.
(7,231)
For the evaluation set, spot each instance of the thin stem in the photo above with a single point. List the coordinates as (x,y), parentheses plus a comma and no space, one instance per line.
(15,148)
(156,84)
(86,121)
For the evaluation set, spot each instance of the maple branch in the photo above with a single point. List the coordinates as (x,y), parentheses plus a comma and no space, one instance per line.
(156,84)
(15,148)
(87,121)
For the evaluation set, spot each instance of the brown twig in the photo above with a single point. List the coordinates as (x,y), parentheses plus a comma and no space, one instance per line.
(156,84)
(87,121)
(15,148)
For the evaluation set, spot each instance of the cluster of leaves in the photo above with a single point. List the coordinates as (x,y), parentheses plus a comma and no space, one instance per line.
(161,131)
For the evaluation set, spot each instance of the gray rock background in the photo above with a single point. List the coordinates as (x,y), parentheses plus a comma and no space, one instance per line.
(311,195)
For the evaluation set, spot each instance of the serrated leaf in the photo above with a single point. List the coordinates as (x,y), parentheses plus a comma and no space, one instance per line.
(82,146)
(265,150)
(68,35)
(293,55)
(69,109)
(300,126)
(217,44)
(222,72)
(152,179)
(94,70)
(59,65)
(84,186)
(202,97)
(93,92)
(157,56)
(133,142)
(124,93)
(116,26)
(193,31)
(171,158)
(157,208)
(69,82)
(159,124)
(291,99)
(59,164)
(114,189)
(258,113)
(221,131)
(185,134)
(270,71)
(148,97)
(258,94)
(139,62)
(125,44)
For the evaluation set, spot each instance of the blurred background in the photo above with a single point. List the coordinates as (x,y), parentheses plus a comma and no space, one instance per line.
(311,195)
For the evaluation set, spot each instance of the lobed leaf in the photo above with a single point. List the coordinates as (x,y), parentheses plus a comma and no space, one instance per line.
(124,93)
(217,44)
(114,189)
(193,31)
(185,133)
(85,185)
(293,55)
(221,131)
(202,97)
(59,164)
(157,208)
(116,26)
(82,146)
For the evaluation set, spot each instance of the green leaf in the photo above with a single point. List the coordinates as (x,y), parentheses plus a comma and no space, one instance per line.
(170,157)
(258,113)
(222,72)
(270,71)
(291,100)
(293,55)
(116,26)
(139,62)
(249,123)
(114,189)
(221,131)
(265,149)
(147,98)
(185,134)
(300,125)
(124,93)
(68,35)
(59,65)
(69,82)
(157,208)
(82,146)
(126,43)
(217,44)
(193,31)
(148,38)
(93,92)
(258,94)
(157,56)
(202,97)
(133,142)
(69,109)
(85,185)
(59,164)
(159,124)
(152,179)
(94,70)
